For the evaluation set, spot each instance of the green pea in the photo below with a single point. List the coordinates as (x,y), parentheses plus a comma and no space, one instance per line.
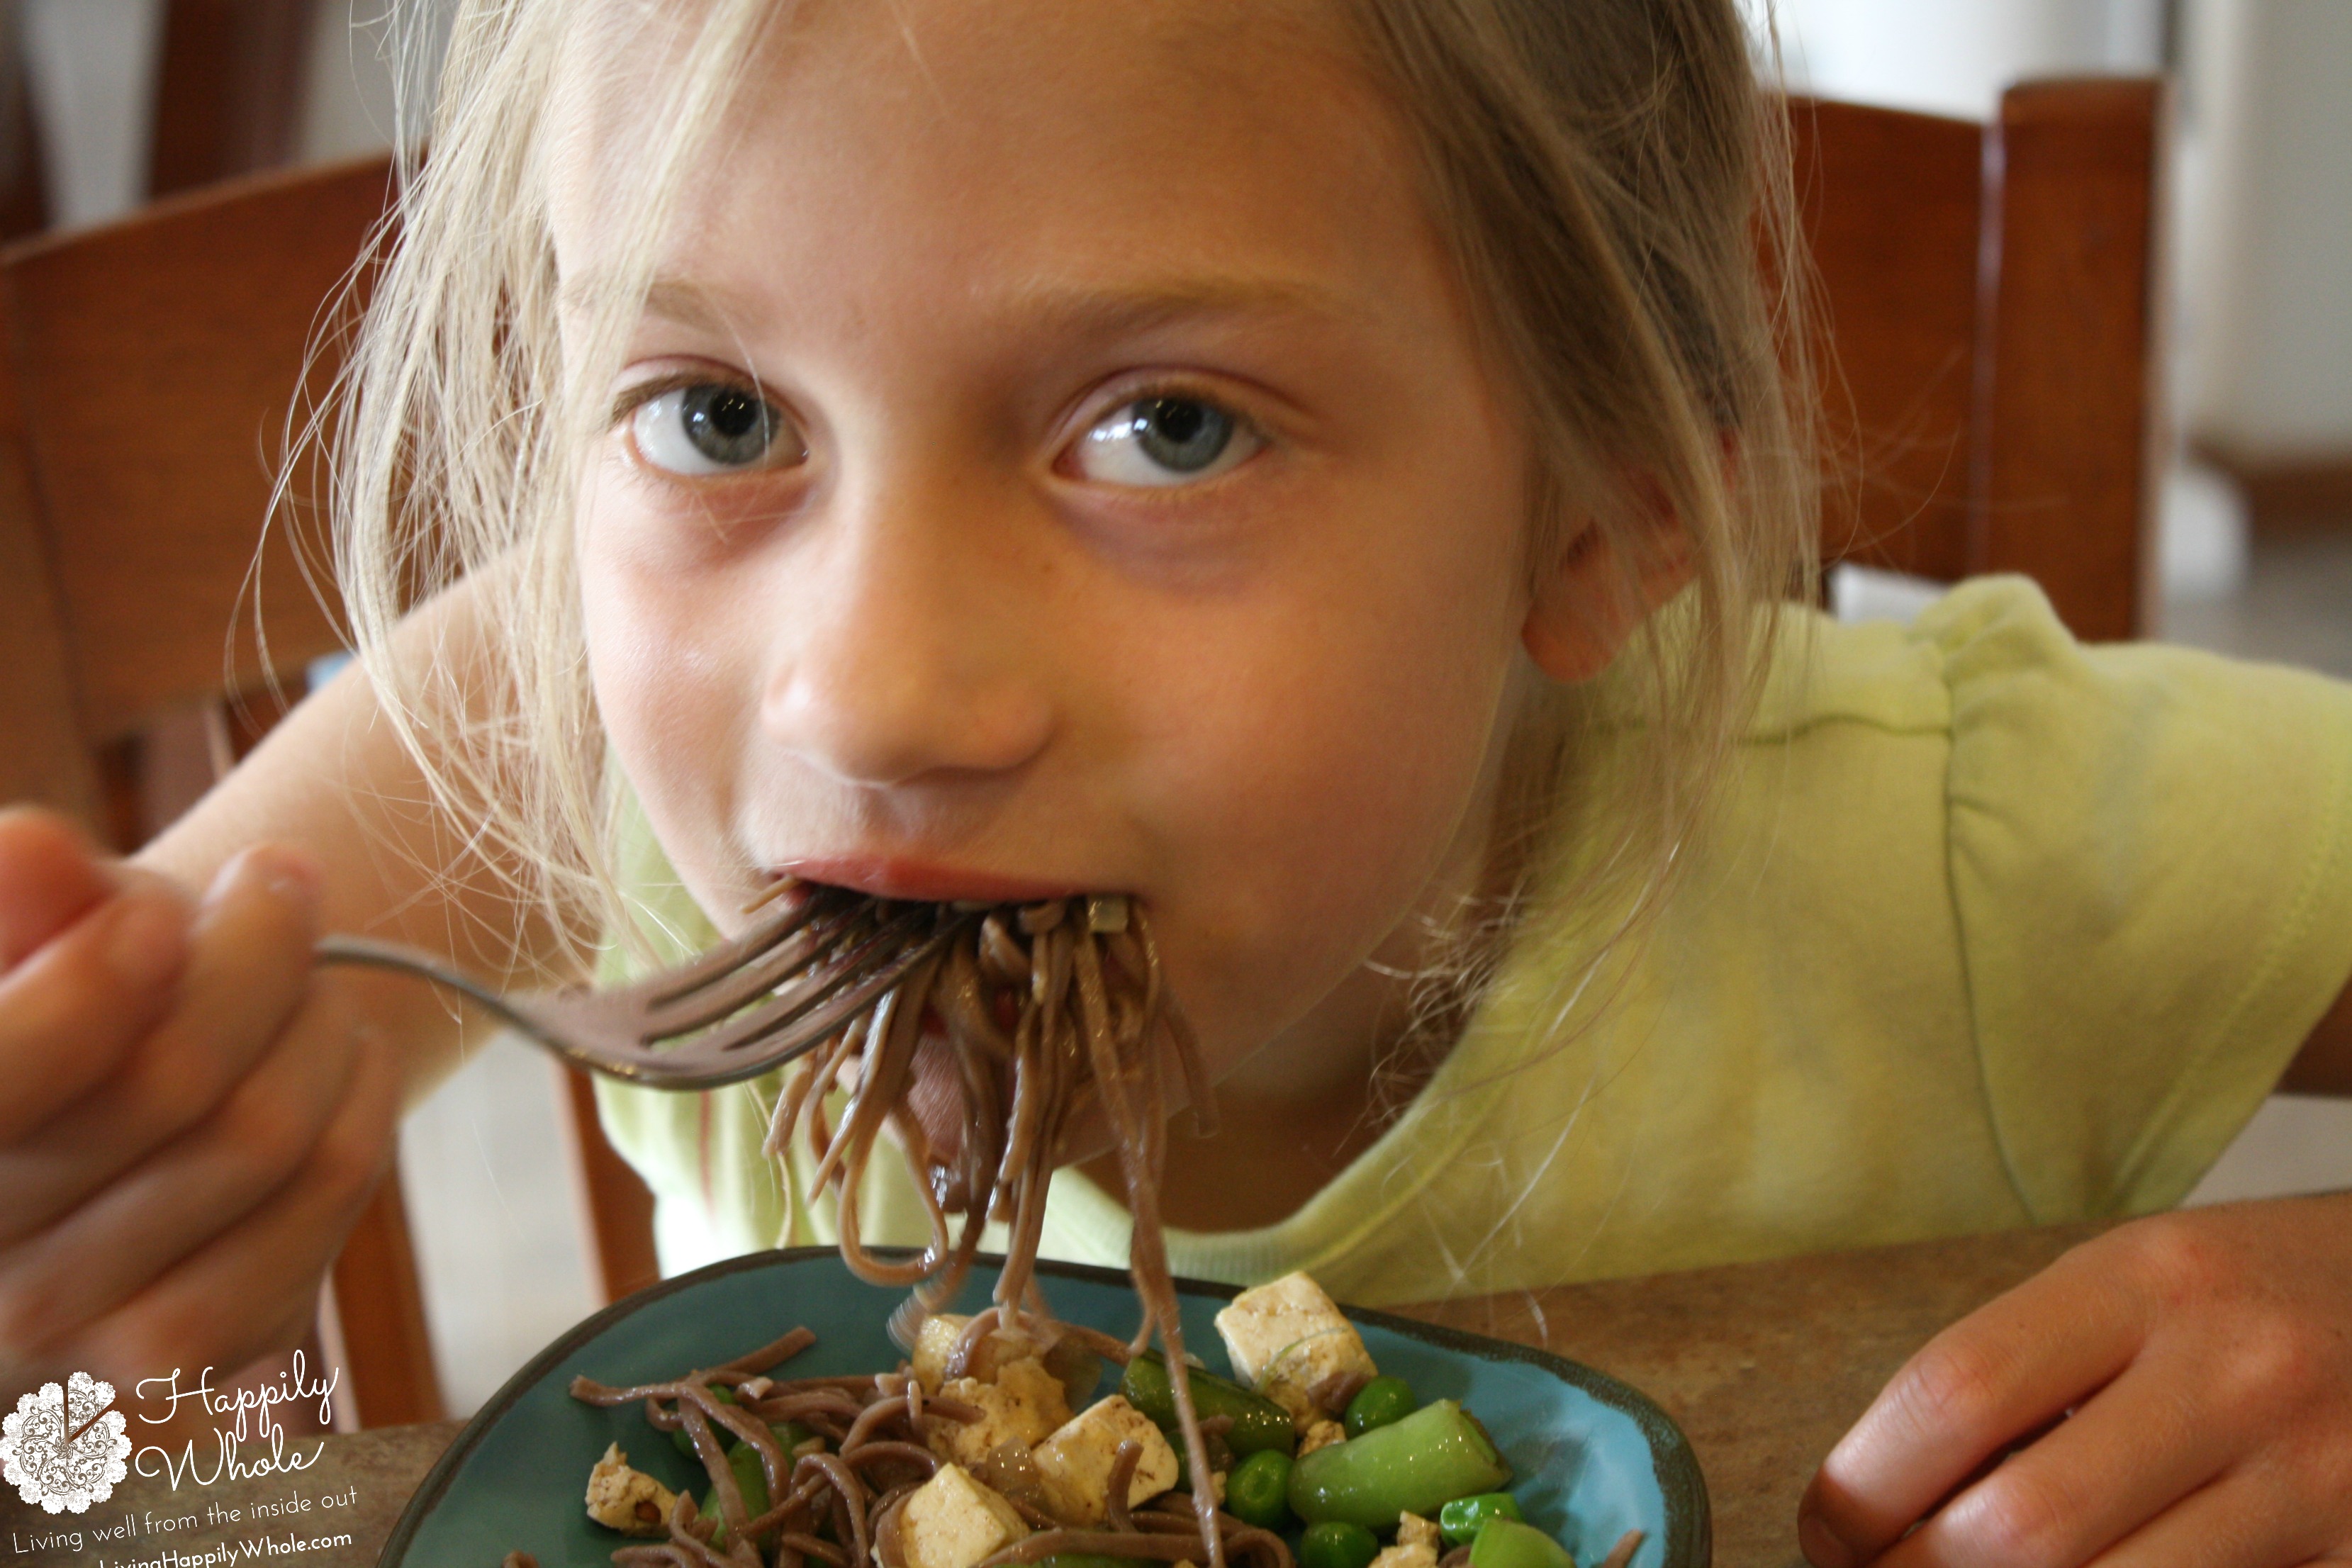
(1507,1543)
(1459,1521)
(1257,1491)
(1377,1403)
(1082,1559)
(1336,1545)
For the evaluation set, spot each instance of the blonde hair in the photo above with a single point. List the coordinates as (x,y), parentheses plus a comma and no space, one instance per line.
(1608,174)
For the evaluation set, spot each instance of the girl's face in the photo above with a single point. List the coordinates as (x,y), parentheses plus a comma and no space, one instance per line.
(1055,458)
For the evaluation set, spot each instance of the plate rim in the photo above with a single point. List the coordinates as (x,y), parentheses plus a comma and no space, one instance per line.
(1690,1526)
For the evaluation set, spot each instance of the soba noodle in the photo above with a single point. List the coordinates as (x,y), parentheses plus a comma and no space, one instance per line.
(1047,1009)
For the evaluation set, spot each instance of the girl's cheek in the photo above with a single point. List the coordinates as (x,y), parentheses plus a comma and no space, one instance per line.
(1337,802)
(658,672)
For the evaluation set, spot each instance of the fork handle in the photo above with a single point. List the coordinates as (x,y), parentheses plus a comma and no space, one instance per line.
(371,954)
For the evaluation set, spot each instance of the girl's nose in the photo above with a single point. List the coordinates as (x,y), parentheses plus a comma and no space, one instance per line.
(907,659)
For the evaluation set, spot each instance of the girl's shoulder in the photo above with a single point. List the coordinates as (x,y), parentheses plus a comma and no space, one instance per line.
(2140,856)
(1991,656)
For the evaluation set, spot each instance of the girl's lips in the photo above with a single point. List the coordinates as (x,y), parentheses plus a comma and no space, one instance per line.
(896,877)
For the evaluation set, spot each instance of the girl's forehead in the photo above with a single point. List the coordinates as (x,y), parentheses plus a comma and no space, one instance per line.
(878,139)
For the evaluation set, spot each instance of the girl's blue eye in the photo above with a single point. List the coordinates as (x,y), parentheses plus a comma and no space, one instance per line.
(712,428)
(1163,441)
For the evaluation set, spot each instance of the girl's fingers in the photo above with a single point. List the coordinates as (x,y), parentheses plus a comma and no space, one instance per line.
(2139,1446)
(50,878)
(71,1010)
(232,1301)
(247,971)
(2245,1520)
(1998,1375)
(179,1199)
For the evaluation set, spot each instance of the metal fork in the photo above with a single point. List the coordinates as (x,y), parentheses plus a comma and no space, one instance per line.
(783,986)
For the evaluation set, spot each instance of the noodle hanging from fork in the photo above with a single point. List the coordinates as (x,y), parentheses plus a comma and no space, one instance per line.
(1047,1008)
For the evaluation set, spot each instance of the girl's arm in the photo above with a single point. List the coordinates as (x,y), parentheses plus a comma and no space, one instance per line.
(193,1116)
(334,781)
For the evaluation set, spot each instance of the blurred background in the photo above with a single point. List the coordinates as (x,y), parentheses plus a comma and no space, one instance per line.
(106,104)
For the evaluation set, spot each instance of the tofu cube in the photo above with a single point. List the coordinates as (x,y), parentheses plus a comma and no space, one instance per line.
(1075,1462)
(1415,1531)
(627,1500)
(1299,1348)
(1023,1407)
(936,1339)
(953,1521)
(1419,1543)
(933,1341)
(1321,1433)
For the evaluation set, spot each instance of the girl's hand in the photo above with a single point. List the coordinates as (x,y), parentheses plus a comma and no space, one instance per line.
(2206,1357)
(188,1123)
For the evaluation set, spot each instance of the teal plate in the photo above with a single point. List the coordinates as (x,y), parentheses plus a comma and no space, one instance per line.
(1593,1459)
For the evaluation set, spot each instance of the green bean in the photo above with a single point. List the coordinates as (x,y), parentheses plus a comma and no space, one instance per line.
(1459,1521)
(1380,1403)
(1259,1423)
(1414,1466)
(1507,1543)
(1335,1543)
(1258,1488)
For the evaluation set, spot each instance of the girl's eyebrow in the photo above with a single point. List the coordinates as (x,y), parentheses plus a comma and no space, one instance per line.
(678,299)
(1149,302)
(1093,311)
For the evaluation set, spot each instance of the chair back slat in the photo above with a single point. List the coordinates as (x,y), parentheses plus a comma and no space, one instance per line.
(2068,451)
(1890,203)
(156,363)
(1988,332)
(42,757)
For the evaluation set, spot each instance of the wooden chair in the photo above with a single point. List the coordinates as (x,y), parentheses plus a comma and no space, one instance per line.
(141,416)
(1988,300)
(1989,296)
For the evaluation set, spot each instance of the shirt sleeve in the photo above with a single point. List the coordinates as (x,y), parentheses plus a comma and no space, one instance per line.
(2150,871)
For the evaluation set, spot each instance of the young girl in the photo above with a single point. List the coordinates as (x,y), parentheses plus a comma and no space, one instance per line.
(1321,467)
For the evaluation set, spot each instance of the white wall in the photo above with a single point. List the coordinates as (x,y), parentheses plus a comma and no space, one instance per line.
(2267,247)
(1954,57)
(91,65)
(352,104)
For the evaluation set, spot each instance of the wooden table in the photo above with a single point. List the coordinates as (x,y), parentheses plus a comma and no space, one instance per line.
(1764,1365)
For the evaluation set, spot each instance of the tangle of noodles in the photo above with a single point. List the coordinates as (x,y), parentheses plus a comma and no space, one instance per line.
(1047,1009)
(878,1426)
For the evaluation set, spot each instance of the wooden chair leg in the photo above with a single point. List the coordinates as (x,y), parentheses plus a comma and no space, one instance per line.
(616,1208)
(379,1310)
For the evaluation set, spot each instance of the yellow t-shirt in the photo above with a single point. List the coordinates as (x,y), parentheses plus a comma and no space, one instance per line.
(1994,930)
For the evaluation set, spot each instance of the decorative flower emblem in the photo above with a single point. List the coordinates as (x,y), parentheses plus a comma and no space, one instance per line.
(65,1446)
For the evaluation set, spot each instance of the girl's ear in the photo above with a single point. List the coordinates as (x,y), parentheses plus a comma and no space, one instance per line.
(1588,607)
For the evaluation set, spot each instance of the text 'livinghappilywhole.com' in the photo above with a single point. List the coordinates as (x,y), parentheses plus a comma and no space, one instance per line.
(220,1556)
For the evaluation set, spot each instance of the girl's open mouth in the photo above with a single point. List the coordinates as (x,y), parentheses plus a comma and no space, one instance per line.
(906,877)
